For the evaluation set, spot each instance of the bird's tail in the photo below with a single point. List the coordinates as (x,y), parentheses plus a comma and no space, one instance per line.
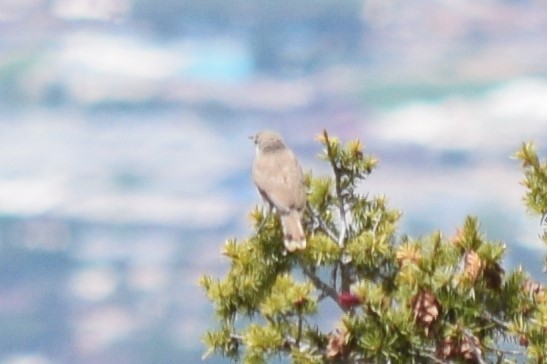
(294,237)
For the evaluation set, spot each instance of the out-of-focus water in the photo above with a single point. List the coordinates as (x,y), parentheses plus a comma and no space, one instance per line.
(125,159)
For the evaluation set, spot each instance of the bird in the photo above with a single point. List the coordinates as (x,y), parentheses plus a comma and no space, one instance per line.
(278,176)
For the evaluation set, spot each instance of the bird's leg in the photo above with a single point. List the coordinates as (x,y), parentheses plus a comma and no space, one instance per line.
(264,219)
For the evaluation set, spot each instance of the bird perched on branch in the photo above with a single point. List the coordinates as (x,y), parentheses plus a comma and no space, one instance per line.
(279,178)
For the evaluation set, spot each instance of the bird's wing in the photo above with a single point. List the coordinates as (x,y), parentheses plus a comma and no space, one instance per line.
(280,179)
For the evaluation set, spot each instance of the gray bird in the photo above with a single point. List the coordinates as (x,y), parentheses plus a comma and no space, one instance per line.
(279,178)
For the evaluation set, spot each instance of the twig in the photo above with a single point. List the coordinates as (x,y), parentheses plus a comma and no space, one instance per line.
(476,351)
(377,223)
(237,337)
(321,224)
(338,187)
(505,351)
(299,330)
(504,325)
(345,280)
(333,276)
(497,321)
(319,284)
(291,341)
(427,355)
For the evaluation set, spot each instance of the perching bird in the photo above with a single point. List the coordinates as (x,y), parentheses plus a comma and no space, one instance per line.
(279,178)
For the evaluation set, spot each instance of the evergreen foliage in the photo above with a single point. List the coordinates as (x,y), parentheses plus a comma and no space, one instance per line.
(535,181)
(432,299)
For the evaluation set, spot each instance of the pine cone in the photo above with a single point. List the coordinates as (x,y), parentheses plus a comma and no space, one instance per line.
(446,349)
(457,239)
(541,296)
(523,340)
(494,276)
(300,302)
(467,348)
(531,287)
(535,290)
(470,348)
(472,265)
(336,346)
(426,308)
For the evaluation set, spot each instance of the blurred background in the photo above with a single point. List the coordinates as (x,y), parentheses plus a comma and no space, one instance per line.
(125,162)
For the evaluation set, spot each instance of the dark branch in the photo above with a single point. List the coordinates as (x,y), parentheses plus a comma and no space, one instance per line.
(319,284)
(299,332)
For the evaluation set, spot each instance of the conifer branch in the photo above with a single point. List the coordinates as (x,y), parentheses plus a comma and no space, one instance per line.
(344,272)
(333,276)
(505,351)
(338,187)
(489,317)
(317,221)
(320,285)
(236,337)
(476,351)
(299,330)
